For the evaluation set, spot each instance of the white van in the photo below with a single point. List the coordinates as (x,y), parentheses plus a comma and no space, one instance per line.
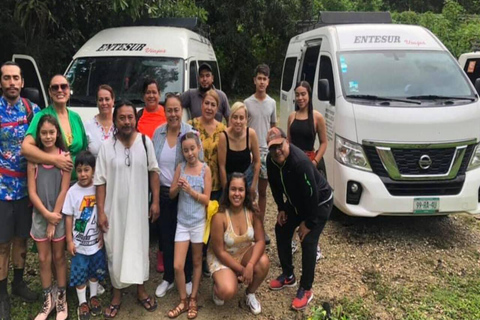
(124,57)
(403,120)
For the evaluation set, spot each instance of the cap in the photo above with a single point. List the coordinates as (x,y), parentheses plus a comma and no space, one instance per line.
(205,66)
(275,136)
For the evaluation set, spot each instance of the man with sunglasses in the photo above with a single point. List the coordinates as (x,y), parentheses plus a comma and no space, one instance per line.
(15,209)
(192,99)
(304,200)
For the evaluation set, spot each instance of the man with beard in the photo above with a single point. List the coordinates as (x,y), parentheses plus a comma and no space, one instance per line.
(15,209)
(125,163)
(192,99)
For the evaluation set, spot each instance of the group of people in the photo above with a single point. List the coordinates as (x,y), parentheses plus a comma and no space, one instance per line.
(98,187)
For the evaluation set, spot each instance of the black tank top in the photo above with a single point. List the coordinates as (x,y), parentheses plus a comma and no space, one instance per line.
(237,161)
(301,135)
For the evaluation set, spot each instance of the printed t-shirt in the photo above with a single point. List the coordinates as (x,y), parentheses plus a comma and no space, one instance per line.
(81,204)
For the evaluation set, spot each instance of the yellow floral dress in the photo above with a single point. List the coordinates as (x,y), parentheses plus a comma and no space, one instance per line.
(210,149)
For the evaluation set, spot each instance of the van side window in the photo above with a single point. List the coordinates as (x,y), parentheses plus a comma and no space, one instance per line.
(288,72)
(193,74)
(472,69)
(309,66)
(326,72)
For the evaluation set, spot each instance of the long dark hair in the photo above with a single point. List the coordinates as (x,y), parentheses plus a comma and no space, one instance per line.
(59,143)
(225,200)
(311,122)
(118,105)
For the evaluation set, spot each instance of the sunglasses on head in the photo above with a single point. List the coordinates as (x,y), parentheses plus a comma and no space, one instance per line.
(63,86)
(172,94)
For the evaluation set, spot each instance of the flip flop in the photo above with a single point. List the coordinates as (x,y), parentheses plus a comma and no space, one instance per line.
(148,301)
(113,309)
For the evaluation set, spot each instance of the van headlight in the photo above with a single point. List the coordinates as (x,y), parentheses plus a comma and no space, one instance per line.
(351,154)
(475,159)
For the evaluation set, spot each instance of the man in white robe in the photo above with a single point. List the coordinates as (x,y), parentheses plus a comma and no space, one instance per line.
(124,165)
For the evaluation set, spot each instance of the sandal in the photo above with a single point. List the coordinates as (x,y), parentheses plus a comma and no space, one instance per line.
(192,308)
(179,309)
(112,311)
(149,303)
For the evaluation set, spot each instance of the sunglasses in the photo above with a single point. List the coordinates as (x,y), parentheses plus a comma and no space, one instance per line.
(172,94)
(63,86)
(276,147)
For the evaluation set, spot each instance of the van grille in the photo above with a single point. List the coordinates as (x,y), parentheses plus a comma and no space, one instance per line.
(407,163)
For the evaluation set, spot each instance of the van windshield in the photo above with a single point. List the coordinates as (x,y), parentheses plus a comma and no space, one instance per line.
(402,74)
(125,75)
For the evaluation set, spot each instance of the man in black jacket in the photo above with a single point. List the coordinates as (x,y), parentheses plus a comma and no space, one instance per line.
(304,200)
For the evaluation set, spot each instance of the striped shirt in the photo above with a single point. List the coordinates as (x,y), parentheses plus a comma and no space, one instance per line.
(191,213)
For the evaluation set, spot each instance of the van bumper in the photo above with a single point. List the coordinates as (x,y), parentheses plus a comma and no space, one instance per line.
(376,200)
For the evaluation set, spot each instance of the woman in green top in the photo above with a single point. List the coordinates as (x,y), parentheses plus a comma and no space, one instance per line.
(70,124)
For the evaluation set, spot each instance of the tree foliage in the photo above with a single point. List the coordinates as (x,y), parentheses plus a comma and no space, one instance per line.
(244,32)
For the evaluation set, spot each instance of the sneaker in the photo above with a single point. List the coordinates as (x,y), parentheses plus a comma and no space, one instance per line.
(21,290)
(163,288)
(160,265)
(319,254)
(5,307)
(83,312)
(189,286)
(206,269)
(100,290)
(61,305)
(302,299)
(294,246)
(267,239)
(48,306)
(253,304)
(282,281)
(95,306)
(217,300)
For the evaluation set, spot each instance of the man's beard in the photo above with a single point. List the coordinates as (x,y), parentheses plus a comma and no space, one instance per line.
(203,90)
(125,136)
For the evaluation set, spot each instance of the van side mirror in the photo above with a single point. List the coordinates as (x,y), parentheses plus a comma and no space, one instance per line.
(33,95)
(477,85)
(323,90)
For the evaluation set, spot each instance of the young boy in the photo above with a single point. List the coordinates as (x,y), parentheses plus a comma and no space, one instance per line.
(84,239)
(262,115)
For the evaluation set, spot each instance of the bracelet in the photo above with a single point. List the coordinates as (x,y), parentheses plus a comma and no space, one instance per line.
(315,161)
(198,196)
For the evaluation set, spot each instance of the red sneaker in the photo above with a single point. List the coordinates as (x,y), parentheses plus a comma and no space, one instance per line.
(283,281)
(160,266)
(302,299)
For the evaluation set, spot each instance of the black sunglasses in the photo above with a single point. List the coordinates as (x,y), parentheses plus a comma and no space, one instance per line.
(63,86)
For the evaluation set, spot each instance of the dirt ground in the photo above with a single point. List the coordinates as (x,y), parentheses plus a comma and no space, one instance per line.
(410,254)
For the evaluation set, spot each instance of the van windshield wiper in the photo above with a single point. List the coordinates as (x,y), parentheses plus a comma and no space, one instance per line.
(372,97)
(436,97)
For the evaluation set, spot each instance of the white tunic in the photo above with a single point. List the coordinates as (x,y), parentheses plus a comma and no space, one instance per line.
(126,207)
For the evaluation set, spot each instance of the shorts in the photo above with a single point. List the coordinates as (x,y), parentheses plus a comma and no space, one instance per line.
(39,228)
(192,234)
(85,267)
(16,219)
(263,165)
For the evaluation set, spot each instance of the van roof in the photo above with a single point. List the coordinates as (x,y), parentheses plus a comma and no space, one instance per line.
(143,41)
(353,37)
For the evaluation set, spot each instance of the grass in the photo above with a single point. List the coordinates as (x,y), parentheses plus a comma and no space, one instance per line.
(457,297)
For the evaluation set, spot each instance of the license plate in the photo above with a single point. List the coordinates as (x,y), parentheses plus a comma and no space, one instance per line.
(426,205)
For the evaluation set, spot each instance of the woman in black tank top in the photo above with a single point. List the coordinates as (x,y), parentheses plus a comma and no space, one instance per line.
(305,123)
(238,149)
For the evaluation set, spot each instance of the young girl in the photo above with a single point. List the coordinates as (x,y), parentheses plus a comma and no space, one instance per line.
(47,187)
(193,181)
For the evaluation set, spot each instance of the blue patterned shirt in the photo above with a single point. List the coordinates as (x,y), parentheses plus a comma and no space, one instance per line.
(12,164)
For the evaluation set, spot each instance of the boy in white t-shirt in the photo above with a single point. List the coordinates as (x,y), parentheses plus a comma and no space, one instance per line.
(84,239)
(262,115)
